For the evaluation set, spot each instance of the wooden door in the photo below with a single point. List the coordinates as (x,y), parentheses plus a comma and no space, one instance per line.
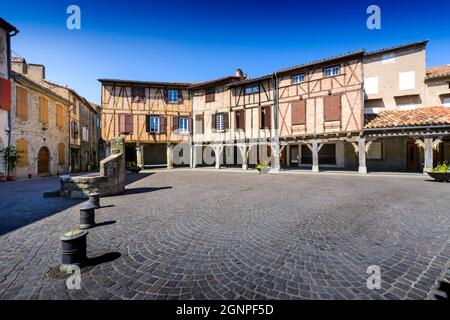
(43,161)
(413,157)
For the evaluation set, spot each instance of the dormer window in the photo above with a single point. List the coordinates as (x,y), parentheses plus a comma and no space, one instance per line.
(252,89)
(138,94)
(299,78)
(331,71)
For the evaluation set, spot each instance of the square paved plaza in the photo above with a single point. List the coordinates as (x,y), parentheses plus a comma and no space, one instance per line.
(203,234)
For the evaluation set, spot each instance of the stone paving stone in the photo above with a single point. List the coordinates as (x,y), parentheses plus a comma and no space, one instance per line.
(284,237)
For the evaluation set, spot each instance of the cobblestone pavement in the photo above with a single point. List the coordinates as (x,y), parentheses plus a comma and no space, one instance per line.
(224,235)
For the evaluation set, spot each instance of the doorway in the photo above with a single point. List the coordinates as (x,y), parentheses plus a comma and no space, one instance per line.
(43,161)
(413,157)
(294,156)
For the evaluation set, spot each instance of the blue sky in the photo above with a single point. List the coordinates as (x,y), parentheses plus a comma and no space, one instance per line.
(201,40)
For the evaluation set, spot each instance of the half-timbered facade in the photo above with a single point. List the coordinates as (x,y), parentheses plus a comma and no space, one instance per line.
(151,116)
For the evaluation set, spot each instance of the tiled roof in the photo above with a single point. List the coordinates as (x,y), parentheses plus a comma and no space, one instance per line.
(158,83)
(401,46)
(7,26)
(438,71)
(428,116)
(17,59)
(226,79)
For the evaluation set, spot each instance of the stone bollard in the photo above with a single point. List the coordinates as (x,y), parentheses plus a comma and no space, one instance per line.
(94,199)
(87,216)
(73,250)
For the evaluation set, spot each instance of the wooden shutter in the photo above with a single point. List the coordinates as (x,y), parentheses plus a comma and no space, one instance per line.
(166,95)
(43,110)
(180,96)
(162,124)
(298,112)
(5,95)
(199,123)
(61,154)
(242,119)
(213,122)
(122,121)
(22,150)
(21,102)
(59,116)
(226,124)
(210,94)
(147,123)
(129,123)
(176,123)
(332,108)
(268,118)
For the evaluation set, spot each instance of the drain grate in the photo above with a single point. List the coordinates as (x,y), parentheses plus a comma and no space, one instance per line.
(54,273)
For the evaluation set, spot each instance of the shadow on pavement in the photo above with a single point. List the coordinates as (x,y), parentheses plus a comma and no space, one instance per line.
(143,190)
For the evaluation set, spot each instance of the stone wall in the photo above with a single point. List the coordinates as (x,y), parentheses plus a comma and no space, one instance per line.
(109,181)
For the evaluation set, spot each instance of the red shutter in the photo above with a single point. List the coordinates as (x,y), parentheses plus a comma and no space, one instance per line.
(129,123)
(166,96)
(122,125)
(180,96)
(268,118)
(332,108)
(5,95)
(298,112)
(175,124)
(147,123)
(162,124)
(226,124)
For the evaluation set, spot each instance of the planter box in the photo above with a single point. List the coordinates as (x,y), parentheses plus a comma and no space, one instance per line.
(135,170)
(3,178)
(263,170)
(11,178)
(440,176)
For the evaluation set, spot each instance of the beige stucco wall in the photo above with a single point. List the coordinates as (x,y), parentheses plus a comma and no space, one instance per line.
(389,96)
(3,114)
(37,137)
(437,90)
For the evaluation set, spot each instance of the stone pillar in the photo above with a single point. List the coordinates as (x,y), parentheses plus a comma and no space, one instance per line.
(362,155)
(169,154)
(194,156)
(299,154)
(276,156)
(244,157)
(140,154)
(428,154)
(315,156)
(217,154)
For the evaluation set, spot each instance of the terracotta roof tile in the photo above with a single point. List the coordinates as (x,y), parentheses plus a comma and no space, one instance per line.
(438,71)
(419,117)
(17,59)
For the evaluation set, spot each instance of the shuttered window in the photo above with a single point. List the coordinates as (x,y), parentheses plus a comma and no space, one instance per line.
(126,123)
(240,119)
(332,108)
(22,150)
(59,116)
(199,124)
(265,118)
(61,154)
(5,95)
(210,94)
(138,93)
(43,110)
(298,112)
(21,102)
(184,125)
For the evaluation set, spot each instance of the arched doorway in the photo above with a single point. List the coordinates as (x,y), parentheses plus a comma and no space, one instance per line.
(43,161)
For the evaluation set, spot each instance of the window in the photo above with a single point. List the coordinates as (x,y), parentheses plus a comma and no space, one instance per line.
(446,101)
(331,71)
(74,105)
(388,58)
(125,123)
(210,94)
(61,154)
(240,119)
(406,80)
(21,102)
(375,151)
(184,125)
(59,116)
(298,112)
(172,96)
(298,78)
(74,130)
(264,118)
(252,89)
(22,150)
(220,124)
(98,122)
(43,110)
(138,94)
(84,134)
(371,85)
(154,124)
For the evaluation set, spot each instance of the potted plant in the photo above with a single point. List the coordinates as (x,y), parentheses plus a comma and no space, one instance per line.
(263,168)
(133,167)
(441,172)
(11,157)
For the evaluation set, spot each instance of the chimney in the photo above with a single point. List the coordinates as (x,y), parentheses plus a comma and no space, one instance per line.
(36,71)
(239,73)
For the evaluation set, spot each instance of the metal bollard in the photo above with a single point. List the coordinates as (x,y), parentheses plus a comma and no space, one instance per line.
(73,250)
(94,199)
(87,216)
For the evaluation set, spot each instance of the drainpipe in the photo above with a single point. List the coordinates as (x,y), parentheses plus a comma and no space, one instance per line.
(8,40)
(275,124)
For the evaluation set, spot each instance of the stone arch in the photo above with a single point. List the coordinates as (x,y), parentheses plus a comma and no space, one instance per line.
(43,161)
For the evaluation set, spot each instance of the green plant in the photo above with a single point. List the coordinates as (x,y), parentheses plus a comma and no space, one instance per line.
(11,156)
(262,166)
(132,165)
(442,168)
